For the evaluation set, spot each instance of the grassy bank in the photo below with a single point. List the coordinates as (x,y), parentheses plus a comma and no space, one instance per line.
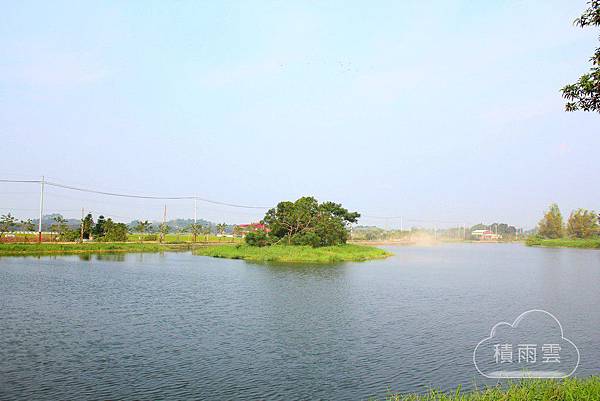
(86,247)
(294,254)
(588,243)
(528,390)
(184,237)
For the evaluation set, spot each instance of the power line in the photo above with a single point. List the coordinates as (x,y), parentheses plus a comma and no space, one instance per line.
(135,196)
(368,216)
(22,181)
(214,202)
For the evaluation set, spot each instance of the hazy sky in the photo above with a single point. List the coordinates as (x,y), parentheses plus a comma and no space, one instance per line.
(442,110)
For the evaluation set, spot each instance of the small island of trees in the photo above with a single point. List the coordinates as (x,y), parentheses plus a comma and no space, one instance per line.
(304,222)
(300,231)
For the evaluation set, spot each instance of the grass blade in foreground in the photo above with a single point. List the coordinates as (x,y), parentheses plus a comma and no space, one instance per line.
(527,390)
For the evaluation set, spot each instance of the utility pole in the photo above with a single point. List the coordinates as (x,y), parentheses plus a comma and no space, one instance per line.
(41,210)
(162,229)
(401,226)
(195,218)
(81,235)
(195,209)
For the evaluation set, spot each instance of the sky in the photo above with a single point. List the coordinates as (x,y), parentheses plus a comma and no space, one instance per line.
(442,112)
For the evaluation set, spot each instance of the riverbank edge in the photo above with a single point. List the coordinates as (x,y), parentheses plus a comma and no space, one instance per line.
(589,243)
(295,254)
(88,248)
(524,390)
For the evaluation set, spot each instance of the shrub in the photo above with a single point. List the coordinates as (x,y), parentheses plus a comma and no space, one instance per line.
(534,240)
(309,238)
(70,235)
(257,238)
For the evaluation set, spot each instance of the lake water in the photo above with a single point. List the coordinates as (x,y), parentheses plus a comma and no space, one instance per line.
(178,326)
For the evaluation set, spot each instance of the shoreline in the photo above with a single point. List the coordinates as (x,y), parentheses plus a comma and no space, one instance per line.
(426,242)
(572,243)
(295,254)
(71,248)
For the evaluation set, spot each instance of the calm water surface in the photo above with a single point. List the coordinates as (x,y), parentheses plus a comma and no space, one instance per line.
(178,326)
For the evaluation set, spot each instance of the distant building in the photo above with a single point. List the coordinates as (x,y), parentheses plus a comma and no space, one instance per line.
(243,229)
(485,235)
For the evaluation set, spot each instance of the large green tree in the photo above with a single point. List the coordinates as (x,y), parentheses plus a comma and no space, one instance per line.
(99,229)
(582,223)
(88,226)
(585,93)
(308,222)
(551,225)
(114,232)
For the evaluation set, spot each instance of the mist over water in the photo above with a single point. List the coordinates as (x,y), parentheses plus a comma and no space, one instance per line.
(178,326)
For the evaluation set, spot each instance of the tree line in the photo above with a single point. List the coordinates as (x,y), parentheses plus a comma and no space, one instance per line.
(108,230)
(582,223)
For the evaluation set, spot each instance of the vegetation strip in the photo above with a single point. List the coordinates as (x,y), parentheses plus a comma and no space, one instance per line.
(294,254)
(587,389)
(588,243)
(74,248)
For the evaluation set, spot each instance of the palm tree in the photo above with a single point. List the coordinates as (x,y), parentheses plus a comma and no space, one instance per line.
(164,229)
(221,228)
(142,227)
(195,229)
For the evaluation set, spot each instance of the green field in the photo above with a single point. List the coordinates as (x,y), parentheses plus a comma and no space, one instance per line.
(86,247)
(588,243)
(294,254)
(180,238)
(527,390)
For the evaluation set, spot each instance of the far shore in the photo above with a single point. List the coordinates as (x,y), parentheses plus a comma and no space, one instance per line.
(581,243)
(424,241)
(67,248)
(355,250)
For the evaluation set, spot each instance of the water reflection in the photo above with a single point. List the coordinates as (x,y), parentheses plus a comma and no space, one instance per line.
(107,257)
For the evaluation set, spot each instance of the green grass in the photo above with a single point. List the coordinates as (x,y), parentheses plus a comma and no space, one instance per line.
(587,389)
(186,237)
(294,254)
(86,247)
(588,243)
